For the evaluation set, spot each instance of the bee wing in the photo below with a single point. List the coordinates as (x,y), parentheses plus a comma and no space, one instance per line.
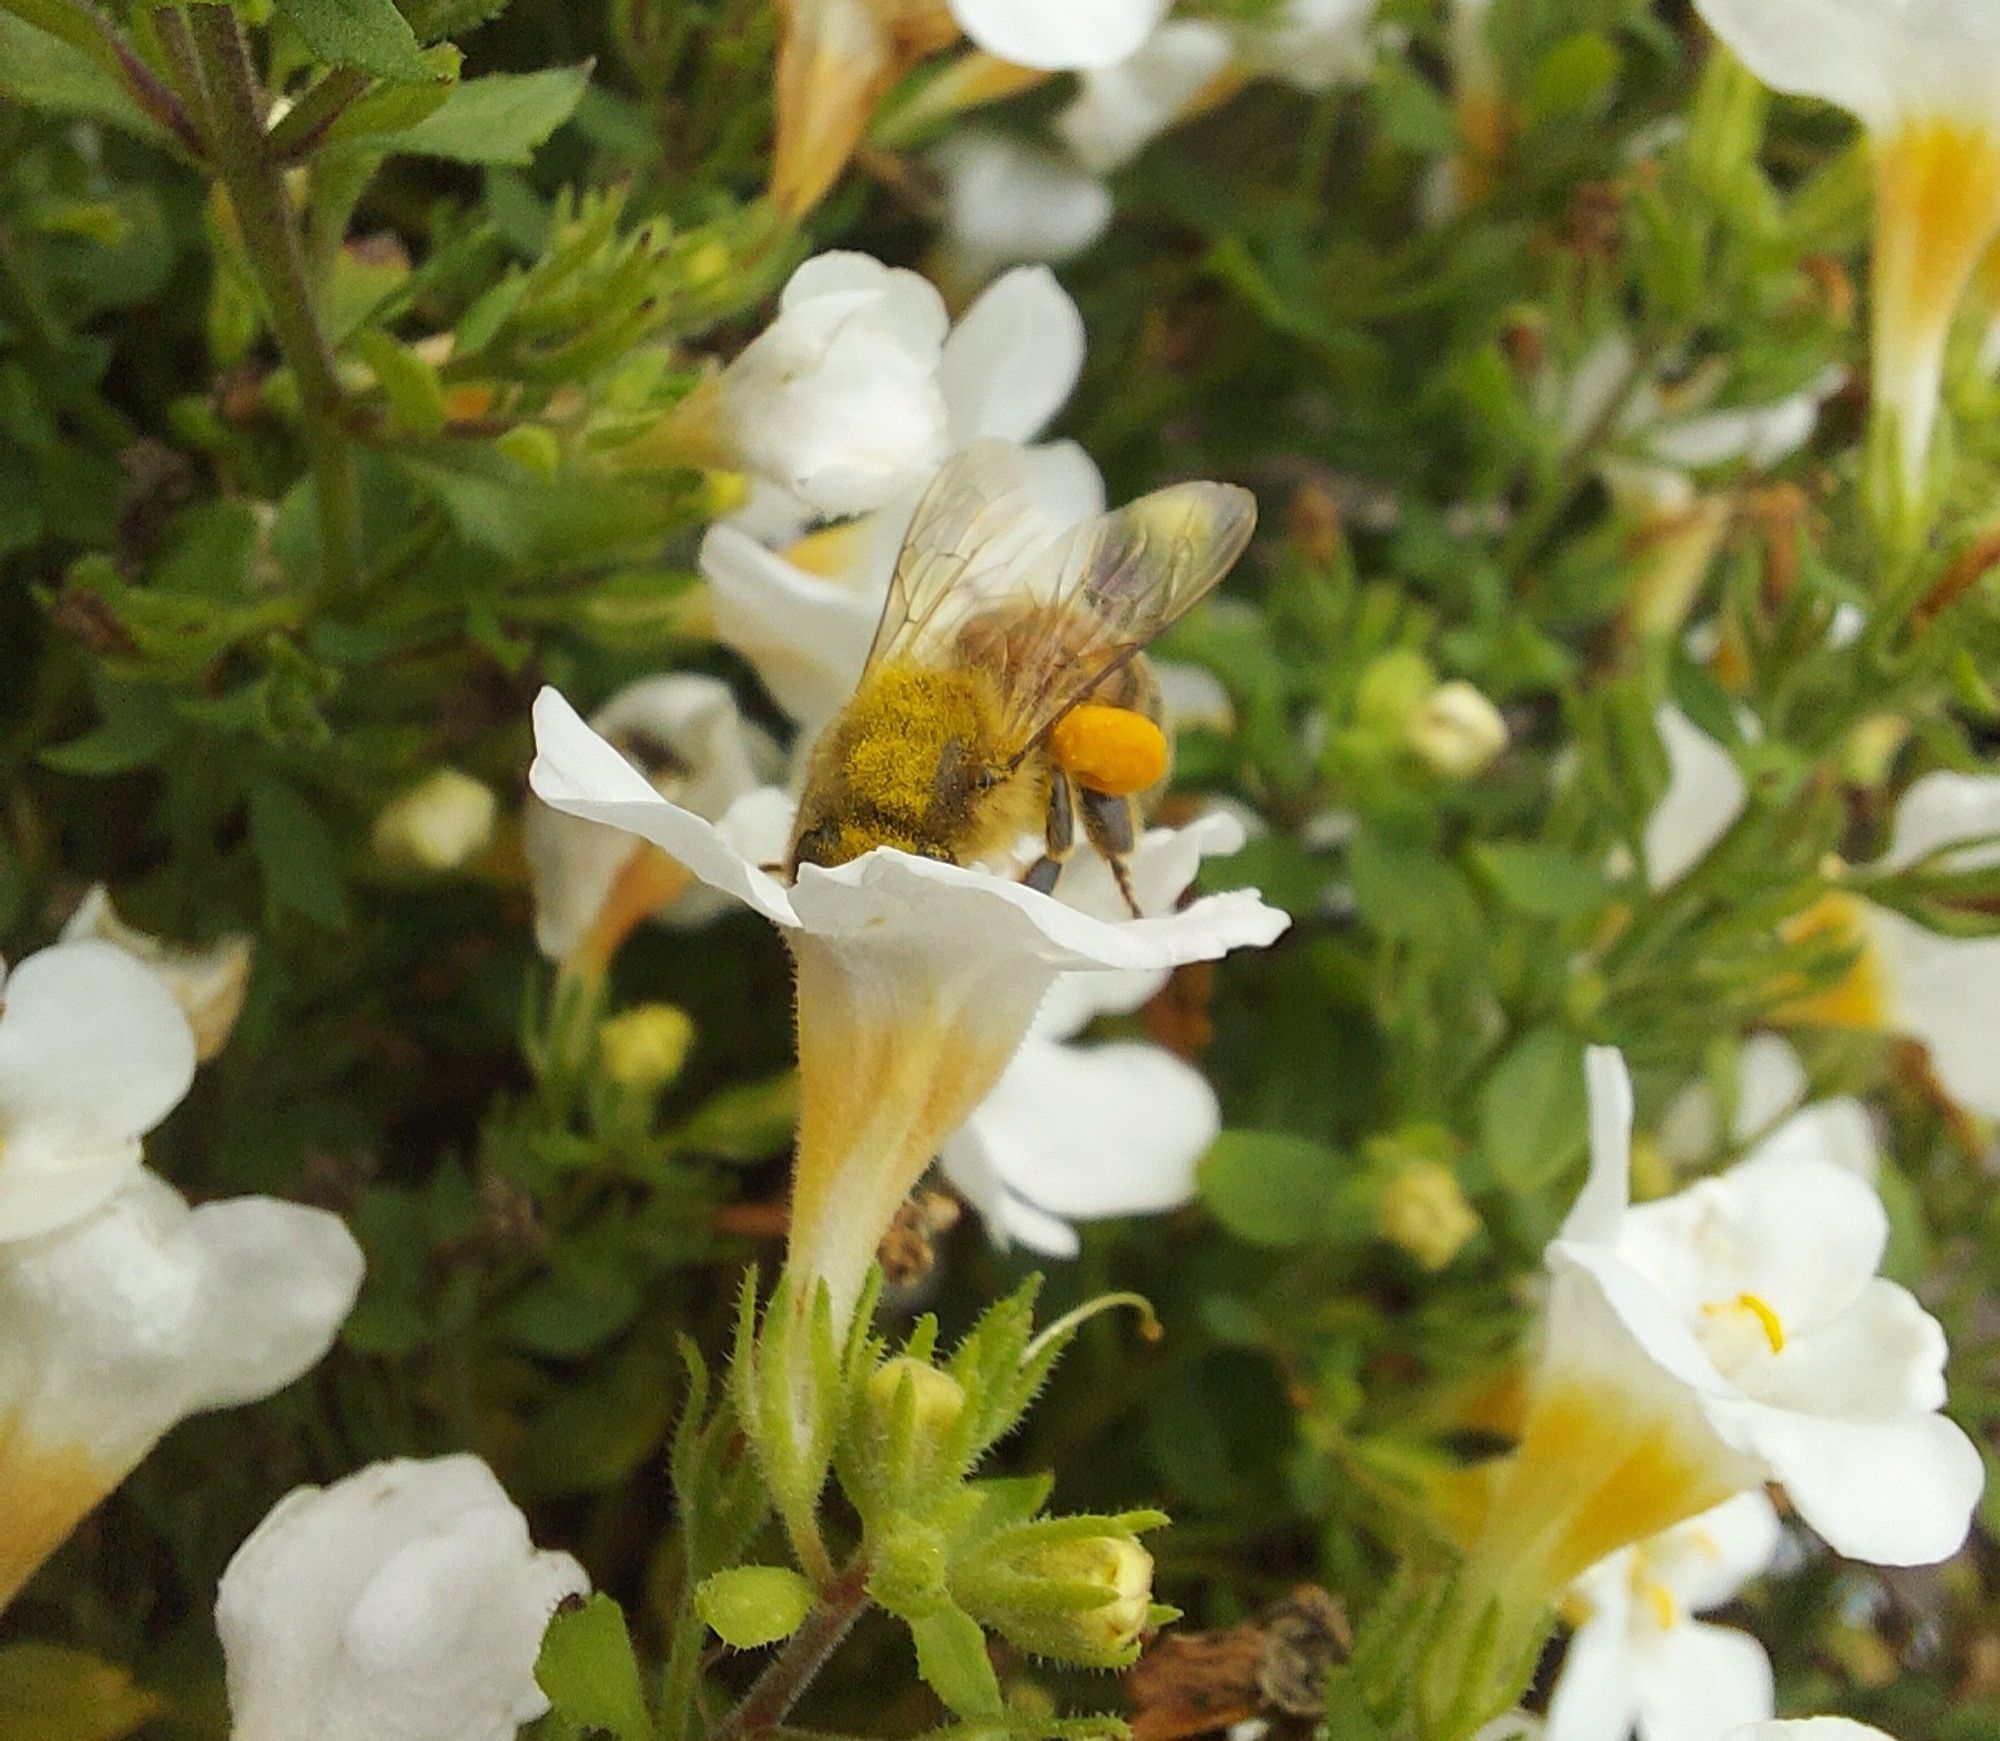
(969,546)
(1112,585)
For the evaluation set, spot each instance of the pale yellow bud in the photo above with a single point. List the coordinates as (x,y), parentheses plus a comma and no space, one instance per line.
(1118,1566)
(1423,1211)
(1457,731)
(938,1397)
(644,1047)
(1872,748)
(442,823)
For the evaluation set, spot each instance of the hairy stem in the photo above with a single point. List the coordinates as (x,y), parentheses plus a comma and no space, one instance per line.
(780,1686)
(240,150)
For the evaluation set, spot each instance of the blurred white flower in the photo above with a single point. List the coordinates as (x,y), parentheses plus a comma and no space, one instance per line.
(838,401)
(1808,1729)
(208,982)
(1732,1334)
(1639,1660)
(1010,203)
(1771,1114)
(145,1312)
(1312,45)
(94,1051)
(592,885)
(442,823)
(917,980)
(1705,794)
(804,615)
(405,1603)
(1456,731)
(1119,110)
(1082,1132)
(1060,35)
(1924,77)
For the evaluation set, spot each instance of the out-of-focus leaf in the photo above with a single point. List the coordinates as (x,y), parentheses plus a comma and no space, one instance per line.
(299,856)
(51,1693)
(40,72)
(368,34)
(1531,1111)
(1269,1188)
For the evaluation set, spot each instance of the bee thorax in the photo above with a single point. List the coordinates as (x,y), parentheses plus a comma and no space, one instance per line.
(1109,749)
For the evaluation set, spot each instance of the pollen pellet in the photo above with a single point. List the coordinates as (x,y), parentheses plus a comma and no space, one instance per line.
(1109,749)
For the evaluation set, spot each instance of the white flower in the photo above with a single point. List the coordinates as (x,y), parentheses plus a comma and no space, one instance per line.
(1639,1660)
(1771,1114)
(804,616)
(1729,1335)
(1010,203)
(405,1603)
(1705,794)
(1310,44)
(685,733)
(838,400)
(1121,109)
(145,1312)
(209,983)
(1808,1729)
(1060,35)
(1078,1133)
(442,823)
(1924,77)
(94,1052)
(917,981)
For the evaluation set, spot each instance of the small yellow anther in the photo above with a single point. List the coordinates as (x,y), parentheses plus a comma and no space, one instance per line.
(1109,749)
(1768,1320)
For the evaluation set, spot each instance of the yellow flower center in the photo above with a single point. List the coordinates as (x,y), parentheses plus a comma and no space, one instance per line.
(1860,997)
(830,552)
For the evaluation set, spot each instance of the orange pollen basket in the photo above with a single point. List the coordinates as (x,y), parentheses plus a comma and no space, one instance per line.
(1109,749)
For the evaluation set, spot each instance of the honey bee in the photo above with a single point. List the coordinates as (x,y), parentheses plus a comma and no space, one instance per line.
(1007,693)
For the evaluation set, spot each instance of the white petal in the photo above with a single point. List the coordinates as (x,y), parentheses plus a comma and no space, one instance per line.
(1059,35)
(1698,1682)
(94,1052)
(577,772)
(1838,50)
(1946,810)
(1064,484)
(806,636)
(1704,1562)
(148,1311)
(1841,1131)
(1010,203)
(1092,1131)
(1013,358)
(1122,109)
(1883,1357)
(1009,1220)
(1892,1492)
(209,981)
(1809,1729)
(1704,796)
(1945,991)
(1770,1083)
(1601,1204)
(404,1602)
(1310,44)
(1594,1698)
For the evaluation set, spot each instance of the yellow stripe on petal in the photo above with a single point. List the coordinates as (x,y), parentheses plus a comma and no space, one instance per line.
(1937,207)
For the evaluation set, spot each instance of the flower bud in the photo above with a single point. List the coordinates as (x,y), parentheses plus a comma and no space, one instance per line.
(1457,731)
(643,1048)
(1083,1599)
(1423,1211)
(750,1606)
(442,823)
(938,1398)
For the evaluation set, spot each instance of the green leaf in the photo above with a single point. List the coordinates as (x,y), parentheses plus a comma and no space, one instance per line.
(299,856)
(411,385)
(1268,1188)
(49,1692)
(137,728)
(1531,1111)
(745,1122)
(37,71)
(501,118)
(368,34)
(1541,882)
(590,1674)
(951,1656)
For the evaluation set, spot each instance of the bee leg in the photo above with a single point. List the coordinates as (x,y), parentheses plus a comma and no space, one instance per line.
(1058,833)
(1111,823)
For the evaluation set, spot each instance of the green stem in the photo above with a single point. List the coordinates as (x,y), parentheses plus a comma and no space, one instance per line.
(308,119)
(780,1686)
(240,150)
(85,28)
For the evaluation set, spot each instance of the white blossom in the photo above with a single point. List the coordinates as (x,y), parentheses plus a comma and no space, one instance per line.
(1059,35)
(209,981)
(1010,203)
(405,1603)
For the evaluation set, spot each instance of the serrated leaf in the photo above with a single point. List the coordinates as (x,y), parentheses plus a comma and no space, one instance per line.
(370,35)
(590,1674)
(498,119)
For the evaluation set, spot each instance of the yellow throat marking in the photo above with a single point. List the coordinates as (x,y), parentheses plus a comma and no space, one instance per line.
(1759,1308)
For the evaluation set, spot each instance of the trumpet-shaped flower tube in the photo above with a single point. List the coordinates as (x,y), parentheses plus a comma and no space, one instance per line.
(1922,76)
(1729,1335)
(405,1603)
(917,981)
(94,1051)
(592,885)
(144,1312)
(1639,1660)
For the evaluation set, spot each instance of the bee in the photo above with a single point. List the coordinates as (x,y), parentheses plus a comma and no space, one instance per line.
(1007,693)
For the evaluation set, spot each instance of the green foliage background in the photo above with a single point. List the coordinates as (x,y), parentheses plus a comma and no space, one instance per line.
(194,710)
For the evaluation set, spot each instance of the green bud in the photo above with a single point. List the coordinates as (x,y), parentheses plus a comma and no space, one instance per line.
(753,1605)
(907,1576)
(1077,1598)
(1393,687)
(937,1399)
(1423,1211)
(643,1048)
